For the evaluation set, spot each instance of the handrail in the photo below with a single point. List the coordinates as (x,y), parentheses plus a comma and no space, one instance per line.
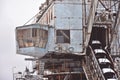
(109,54)
(111,59)
(96,65)
(86,68)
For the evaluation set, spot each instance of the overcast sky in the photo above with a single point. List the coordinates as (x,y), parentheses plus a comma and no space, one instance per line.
(13,13)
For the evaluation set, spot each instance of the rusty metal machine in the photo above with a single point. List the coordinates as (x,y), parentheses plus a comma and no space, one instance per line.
(73,39)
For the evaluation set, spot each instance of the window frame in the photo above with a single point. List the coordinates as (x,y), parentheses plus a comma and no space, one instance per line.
(65,41)
(30,37)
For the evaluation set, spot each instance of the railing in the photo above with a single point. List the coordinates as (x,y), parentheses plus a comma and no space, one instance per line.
(93,66)
(96,65)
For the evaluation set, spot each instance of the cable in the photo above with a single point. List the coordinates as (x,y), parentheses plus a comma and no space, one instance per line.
(31,18)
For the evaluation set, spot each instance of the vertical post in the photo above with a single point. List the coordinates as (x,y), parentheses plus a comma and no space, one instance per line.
(90,20)
(13,72)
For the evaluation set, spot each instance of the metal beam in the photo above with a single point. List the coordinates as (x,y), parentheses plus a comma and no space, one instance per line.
(102,23)
(91,20)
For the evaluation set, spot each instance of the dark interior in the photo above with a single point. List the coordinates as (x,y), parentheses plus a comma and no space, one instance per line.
(99,33)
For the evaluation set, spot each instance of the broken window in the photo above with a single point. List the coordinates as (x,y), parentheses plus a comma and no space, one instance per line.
(63,36)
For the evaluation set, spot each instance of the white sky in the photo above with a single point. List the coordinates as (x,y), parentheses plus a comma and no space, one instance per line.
(13,13)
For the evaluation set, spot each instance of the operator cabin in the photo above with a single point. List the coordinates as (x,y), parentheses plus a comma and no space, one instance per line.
(58,29)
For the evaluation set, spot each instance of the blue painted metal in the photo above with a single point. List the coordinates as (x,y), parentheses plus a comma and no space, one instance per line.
(67,16)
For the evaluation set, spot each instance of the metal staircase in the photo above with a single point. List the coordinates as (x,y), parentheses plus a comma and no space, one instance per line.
(92,68)
(97,18)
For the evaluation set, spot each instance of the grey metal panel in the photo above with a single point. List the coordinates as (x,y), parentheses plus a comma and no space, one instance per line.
(51,39)
(66,23)
(64,48)
(75,43)
(61,24)
(32,51)
(77,48)
(76,36)
(68,16)
(76,23)
(68,10)
(76,40)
